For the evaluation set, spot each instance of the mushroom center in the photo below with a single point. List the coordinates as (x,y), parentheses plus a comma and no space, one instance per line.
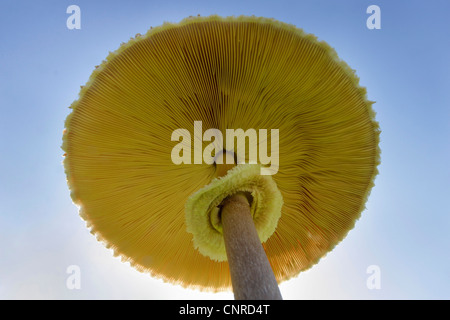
(224,160)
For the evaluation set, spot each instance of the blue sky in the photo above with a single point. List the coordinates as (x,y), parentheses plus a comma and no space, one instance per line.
(405,230)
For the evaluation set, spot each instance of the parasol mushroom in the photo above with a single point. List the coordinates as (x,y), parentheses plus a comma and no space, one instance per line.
(177,220)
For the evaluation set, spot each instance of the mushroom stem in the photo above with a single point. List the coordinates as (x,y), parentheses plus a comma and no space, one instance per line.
(252,277)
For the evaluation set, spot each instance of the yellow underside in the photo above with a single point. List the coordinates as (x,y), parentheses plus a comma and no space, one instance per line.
(229,73)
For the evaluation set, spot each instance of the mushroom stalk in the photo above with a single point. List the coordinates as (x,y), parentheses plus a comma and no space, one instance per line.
(252,277)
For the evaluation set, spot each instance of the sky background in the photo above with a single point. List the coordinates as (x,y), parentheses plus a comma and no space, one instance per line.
(405,230)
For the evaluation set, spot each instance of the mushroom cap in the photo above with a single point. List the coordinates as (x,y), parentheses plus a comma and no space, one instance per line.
(229,73)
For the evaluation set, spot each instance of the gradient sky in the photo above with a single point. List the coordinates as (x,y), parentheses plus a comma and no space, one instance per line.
(405,230)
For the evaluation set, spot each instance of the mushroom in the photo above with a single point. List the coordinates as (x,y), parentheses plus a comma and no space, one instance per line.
(194,222)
